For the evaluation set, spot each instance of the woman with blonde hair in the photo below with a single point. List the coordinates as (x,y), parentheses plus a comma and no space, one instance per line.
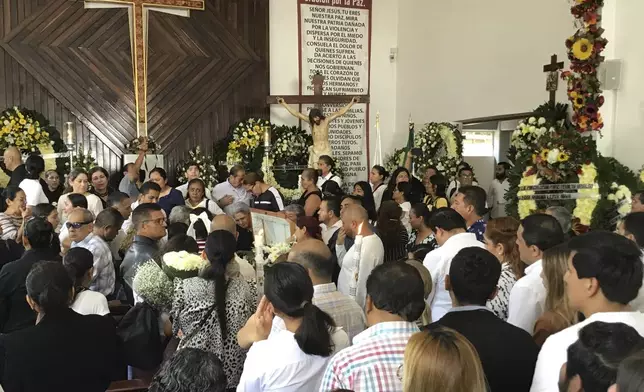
(501,240)
(440,359)
(558,314)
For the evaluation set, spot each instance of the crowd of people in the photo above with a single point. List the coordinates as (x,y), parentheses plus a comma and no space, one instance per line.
(403,284)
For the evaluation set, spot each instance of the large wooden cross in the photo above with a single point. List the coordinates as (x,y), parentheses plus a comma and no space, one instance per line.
(138,15)
(318,98)
(552,82)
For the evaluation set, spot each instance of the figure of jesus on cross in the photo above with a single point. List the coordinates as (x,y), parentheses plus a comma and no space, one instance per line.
(138,16)
(319,123)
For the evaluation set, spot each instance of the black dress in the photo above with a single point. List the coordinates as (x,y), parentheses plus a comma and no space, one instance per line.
(305,196)
(54,195)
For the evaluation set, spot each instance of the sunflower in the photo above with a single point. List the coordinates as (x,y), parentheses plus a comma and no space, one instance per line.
(582,49)
(563,157)
(544,154)
(579,102)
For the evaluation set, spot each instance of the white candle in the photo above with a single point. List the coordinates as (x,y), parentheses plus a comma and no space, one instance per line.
(70,136)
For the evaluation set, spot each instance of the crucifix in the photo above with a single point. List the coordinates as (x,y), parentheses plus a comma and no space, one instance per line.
(553,77)
(138,16)
(319,123)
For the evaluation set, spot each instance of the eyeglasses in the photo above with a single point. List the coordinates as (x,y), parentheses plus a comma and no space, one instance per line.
(76,225)
(158,221)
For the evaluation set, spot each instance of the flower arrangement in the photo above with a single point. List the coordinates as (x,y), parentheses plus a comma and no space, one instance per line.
(441,145)
(246,137)
(584,51)
(290,145)
(207,167)
(182,265)
(21,129)
(154,286)
(269,178)
(82,160)
(587,202)
(527,206)
(622,197)
(394,160)
(135,144)
(31,132)
(277,250)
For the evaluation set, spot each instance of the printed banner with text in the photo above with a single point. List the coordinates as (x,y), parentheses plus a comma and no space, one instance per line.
(335,40)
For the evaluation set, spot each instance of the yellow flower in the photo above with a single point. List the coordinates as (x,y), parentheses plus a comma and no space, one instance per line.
(642,176)
(544,154)
(582,49)
(31,130)
(45,134)
(563,157)
(23,121)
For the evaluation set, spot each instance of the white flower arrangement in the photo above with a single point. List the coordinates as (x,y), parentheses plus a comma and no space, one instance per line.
(277,250)
(154,286)
(527,133)
(207,167)
(269,178)
(586,204)
(530,178)
(183,265)
(622,197)
(431,138)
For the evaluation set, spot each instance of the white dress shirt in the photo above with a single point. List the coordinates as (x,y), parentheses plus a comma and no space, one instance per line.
(33,192)
(555,350)
(278,364)
(438,262)
(496,198)
(327,232)
(329,176)
(90,302)
(527,299)
(372,254)
(404,219)
(377,194)
(207,204)
(240,195)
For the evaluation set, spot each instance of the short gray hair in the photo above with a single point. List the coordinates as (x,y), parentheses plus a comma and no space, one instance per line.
(296,209)
(562,215)
(240,208)
(180,214)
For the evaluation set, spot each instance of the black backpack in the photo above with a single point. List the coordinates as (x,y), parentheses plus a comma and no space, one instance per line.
(139,331)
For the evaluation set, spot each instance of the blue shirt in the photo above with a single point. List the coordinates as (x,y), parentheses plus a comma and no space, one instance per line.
(478,229)
(171,200)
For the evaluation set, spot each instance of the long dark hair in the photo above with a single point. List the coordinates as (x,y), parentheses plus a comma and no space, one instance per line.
(368,201)
(220,250)
(389,225)
(440,182)
(315,113)
(391,186)
(289,288)
(78,261)
(49,286)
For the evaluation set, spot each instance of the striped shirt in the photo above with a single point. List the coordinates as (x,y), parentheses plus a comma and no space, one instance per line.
(372,363)
(104,274)
(10,226)
(271,200)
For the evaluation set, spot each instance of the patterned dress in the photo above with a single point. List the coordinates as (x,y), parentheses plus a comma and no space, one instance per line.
(499,305)
(193,298)
(478,229)
(428,242)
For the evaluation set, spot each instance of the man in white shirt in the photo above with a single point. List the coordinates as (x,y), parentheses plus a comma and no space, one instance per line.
(537,233)
(193,172)
(604,275)
(232,191)
(498,189)
(594,359)
(450,232)
(366,253)
(330,222)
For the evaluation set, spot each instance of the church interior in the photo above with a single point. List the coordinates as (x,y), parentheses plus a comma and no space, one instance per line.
(203,150)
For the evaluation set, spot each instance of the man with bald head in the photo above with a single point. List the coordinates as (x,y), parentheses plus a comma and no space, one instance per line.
(315,256)
(226,223)
(80,225)
(366,253)
(13,166)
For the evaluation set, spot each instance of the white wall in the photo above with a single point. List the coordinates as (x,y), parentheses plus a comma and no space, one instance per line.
(471,58)
(284,63)
(624,109)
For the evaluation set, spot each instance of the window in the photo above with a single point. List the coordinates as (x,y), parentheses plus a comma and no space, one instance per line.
(479,143)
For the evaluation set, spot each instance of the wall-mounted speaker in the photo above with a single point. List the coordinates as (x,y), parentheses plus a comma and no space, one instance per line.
(610,74)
